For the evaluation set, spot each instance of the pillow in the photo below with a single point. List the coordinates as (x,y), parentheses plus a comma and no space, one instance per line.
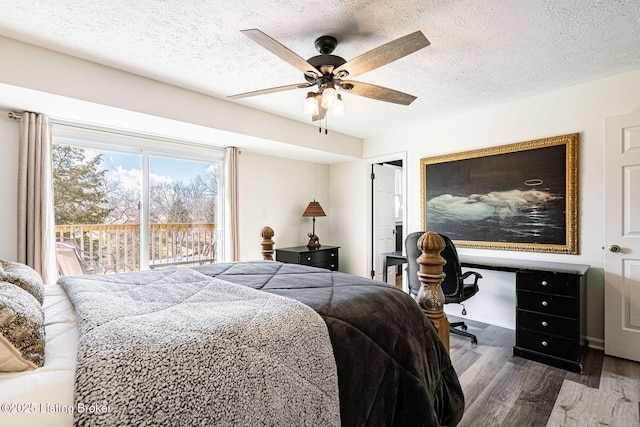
(23,276)
(21,330)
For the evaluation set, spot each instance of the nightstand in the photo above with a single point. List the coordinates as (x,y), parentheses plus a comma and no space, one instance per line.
(323,257)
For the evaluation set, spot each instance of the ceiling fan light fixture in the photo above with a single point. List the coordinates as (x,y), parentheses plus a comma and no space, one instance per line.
(337,109)
(329,96)
(311,104)
(326,71)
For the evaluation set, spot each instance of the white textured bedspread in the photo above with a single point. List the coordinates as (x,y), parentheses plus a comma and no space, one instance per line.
(176,347)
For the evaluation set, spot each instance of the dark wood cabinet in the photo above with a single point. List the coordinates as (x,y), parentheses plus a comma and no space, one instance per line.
(323,257)
(551,318)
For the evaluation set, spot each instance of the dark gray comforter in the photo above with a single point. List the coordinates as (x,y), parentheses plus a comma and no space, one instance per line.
(393,370)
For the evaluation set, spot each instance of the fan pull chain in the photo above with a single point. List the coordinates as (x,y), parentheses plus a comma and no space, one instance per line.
(326,130)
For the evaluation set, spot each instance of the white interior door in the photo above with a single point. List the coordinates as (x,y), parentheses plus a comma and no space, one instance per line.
(622,236)
(384,224)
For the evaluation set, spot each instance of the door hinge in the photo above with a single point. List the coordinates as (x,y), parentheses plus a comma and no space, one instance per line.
(373,176)
(373,274)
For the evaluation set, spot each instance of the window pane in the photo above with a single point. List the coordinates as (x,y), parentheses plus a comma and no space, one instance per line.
(183,205)
(97,203)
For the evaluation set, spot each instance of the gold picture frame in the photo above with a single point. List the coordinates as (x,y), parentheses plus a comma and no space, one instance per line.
(517,197)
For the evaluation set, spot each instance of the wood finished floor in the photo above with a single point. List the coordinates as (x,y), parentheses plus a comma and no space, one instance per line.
(505,390)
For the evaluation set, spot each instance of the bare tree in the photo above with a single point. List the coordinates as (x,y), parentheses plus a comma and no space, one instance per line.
(124,203)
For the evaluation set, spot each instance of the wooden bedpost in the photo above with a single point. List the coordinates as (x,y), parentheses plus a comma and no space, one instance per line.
(267,244)
(430,296)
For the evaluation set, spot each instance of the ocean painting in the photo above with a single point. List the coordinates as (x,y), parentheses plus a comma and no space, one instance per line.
(513,197)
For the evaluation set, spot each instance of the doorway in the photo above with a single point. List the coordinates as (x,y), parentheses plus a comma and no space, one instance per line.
(387,216)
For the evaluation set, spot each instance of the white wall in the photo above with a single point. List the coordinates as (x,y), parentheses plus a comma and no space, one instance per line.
(8,187)
(580,109)
(275,192)
(349,198)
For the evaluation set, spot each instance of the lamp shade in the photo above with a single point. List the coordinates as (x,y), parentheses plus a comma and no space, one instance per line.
(311,104)
(314,209)
(329,96)
(338,107)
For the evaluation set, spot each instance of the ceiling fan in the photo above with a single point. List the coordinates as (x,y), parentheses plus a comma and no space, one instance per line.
(329,72)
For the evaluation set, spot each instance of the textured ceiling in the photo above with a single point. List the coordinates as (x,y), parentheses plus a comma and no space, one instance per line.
(482,52)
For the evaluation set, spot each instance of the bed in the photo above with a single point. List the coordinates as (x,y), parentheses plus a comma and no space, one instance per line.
(350,351)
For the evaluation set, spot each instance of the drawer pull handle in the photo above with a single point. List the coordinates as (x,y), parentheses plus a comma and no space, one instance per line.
(544,343)
(333,254)
(544,283)
(309,258)
(544,323)
(544,303)
(333,266)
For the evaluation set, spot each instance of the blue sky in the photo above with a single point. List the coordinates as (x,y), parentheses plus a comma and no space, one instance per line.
(126,168)
(176,169)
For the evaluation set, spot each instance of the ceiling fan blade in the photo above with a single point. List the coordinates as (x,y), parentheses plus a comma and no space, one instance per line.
(281,51)
(377,92)
(321,113)
(384,54)
(270,90)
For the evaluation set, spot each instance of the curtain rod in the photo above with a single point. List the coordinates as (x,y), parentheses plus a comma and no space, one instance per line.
(15,115)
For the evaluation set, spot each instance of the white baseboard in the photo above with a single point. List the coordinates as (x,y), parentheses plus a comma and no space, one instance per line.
(595,343)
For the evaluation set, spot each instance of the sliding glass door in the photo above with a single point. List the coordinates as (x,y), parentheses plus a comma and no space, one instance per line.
(134,204)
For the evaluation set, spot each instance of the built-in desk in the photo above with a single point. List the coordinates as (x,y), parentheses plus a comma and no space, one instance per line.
(550,306)
(515,265)
(390,259)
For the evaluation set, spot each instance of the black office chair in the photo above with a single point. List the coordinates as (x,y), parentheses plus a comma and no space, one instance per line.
(454,287)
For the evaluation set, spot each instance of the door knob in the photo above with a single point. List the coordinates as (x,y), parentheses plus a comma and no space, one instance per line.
(614,248)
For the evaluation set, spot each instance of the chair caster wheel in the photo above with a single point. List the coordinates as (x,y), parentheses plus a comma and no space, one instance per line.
(474,341)
(463,327)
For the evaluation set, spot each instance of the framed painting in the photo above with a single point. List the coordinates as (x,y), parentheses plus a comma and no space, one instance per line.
(520,197)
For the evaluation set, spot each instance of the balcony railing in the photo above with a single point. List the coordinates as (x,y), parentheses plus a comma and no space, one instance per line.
(118,244)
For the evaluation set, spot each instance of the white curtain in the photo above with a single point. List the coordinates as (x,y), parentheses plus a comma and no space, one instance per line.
(36,221)
(232,246)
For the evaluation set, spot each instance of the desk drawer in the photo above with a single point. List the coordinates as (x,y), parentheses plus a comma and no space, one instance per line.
(548,344)
(546,323)
(548,304)
(548,283)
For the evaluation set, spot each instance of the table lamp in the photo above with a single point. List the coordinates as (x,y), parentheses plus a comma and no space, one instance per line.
(314,209)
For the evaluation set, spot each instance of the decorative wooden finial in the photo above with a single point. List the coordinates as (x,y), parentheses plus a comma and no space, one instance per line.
(267,244)
(430,296)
